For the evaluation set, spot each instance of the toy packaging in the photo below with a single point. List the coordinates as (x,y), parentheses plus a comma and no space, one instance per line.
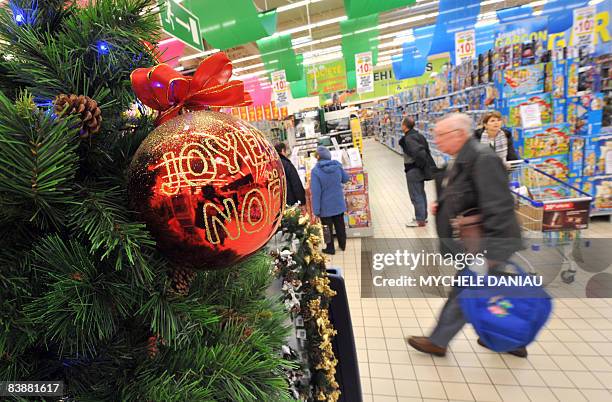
(576,156)
(357,180)
(589,79)
(358,210)
(585,113)
(524,80)
(548,77)
(598,156)
(556,166)
(559,111)
(571,79)
(514,108)
(600,188)
(558,77)
(544,141)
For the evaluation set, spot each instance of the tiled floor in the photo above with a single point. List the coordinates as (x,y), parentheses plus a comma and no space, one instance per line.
(570,361)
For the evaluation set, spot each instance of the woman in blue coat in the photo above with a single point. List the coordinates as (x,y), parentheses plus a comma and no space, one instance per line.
(327,190)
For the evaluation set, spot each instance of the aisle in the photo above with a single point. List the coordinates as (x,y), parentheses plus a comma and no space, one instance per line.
(571,361)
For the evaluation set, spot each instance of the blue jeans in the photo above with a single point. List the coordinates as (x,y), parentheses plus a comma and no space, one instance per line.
(416,189)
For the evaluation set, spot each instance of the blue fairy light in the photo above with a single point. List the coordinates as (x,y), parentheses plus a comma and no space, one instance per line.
(19,18)
(23,16)
(102,47)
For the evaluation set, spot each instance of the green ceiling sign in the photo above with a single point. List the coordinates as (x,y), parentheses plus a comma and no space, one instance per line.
(225,26)
(298,88)
(325,77)
(358,36)
(361,8)
(180,23)
(277,54)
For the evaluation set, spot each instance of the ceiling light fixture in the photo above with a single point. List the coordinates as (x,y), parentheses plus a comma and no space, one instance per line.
(535,3)
(311,26)
(489,2)
(316,42)
(195,56)
(296,5)
(254,74)
(166,41)
(252,66)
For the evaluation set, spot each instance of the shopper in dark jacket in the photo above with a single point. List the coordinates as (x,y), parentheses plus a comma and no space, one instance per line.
(476,181)
(497,137)
(327,190)
(295,190)
(419,166)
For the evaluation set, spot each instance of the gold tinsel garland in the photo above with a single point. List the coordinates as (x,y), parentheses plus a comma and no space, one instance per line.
(324,359)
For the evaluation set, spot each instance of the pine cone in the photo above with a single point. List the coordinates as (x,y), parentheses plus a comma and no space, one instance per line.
(152,347)
(181,280)
(85,107)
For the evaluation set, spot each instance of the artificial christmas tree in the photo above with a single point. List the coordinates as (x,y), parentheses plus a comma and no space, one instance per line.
(86,296)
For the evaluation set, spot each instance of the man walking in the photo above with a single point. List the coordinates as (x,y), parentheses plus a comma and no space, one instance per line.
(419,166)
(476,181)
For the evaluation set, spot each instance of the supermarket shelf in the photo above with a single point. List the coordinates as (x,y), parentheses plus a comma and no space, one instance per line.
(449,94)
(602,213)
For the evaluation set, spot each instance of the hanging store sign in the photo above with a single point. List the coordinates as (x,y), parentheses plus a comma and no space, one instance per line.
(602,32)
(280,87)
(465,46)
(365,72)
(584,28)
(326,77)
(180,23)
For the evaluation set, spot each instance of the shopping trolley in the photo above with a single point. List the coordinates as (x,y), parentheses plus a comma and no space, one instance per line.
(549,209)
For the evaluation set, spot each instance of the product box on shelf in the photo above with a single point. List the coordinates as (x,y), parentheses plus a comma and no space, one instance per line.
(559,110)
(600,188)
(589,79)
(585,113)
(556,166)
(571,79)
(358,210)
(559,68)
(553,192)
(576,156)
(543,141)
(524,80)
(544,101)
(548,77)
(357,180)
(598,156)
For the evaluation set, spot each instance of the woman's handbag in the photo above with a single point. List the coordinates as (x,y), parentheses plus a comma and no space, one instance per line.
(327,235)
(506,316)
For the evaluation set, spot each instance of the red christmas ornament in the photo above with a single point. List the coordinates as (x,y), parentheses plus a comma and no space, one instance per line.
(210,187)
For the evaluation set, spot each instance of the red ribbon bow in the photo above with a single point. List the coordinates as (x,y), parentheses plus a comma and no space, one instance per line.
(167,91)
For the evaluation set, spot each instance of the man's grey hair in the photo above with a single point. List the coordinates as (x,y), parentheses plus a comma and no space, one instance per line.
(461,121)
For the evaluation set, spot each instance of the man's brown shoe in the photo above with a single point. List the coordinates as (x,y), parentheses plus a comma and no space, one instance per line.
(520,352)
(423,344)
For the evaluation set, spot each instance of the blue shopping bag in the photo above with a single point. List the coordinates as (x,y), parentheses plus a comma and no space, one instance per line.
(505,317)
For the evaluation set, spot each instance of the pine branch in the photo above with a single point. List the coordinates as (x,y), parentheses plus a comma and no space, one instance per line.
(102,218)
(80,305)
(37,162)
(40,59)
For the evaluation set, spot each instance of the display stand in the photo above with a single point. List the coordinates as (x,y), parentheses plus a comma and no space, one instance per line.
(347,371)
